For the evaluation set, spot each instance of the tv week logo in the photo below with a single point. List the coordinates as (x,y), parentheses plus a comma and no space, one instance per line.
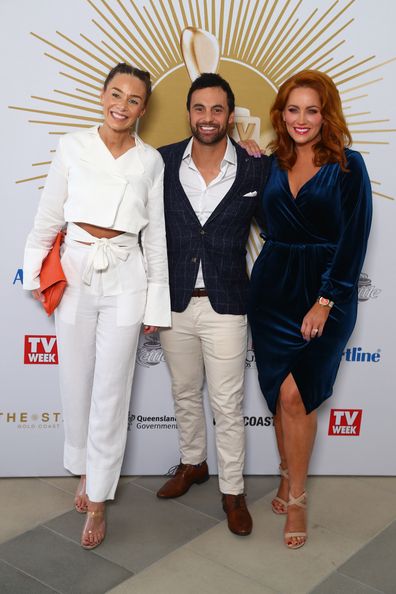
(345,421)
(41,350)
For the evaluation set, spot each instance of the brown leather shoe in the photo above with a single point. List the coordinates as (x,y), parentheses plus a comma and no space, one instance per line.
(185,476)
(238,516)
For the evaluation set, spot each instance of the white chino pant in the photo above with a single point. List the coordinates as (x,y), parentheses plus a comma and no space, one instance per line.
(203,341)
(98,323)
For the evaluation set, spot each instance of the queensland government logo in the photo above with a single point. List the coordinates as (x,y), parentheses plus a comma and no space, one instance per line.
(150,352)
(366,289)
(151,422)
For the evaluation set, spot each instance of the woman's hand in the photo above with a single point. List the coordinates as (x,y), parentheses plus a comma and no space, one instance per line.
(251,147)
(37,294)
(314,321)
(150,329)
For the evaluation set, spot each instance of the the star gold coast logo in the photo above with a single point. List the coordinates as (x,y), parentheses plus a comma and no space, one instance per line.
(255,45)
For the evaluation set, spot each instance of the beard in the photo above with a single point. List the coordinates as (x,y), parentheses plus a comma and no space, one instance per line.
(214,138)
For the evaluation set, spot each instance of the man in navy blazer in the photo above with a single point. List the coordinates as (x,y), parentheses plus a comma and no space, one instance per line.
(211,193)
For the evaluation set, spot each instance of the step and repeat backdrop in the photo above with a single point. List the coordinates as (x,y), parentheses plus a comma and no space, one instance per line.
(54,57)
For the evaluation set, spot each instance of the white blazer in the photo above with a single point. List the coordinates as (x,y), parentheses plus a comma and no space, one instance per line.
(87,184)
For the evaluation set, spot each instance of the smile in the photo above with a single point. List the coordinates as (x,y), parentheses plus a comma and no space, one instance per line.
(118,116)
(301,130)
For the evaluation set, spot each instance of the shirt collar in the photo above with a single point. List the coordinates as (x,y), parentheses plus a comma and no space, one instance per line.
(230,155)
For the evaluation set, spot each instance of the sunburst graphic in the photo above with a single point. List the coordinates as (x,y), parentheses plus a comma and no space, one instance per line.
(258,45)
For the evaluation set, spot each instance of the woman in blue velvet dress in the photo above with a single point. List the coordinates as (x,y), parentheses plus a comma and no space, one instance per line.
(303,303)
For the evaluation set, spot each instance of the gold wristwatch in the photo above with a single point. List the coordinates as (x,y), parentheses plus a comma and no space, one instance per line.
(325,302)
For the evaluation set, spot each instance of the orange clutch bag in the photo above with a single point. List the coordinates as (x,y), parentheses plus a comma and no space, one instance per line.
(52,278)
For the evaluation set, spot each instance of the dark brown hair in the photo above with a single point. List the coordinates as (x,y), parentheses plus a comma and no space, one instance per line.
(124,68)
(334,135)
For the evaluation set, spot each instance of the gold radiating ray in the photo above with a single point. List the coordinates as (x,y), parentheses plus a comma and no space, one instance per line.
(338,65)
(247,31)
(68,54)
(251,38)
(293,46)
(271,32)
(84,50)
(241,30)
(382,195)
(353,67)
(27,179)
(341,82)
(221,26)
(99,48)
(83,82)
(88,75)
(174,49)
(118,57)
(317,60)
(199,13)
(166,47)
(354,98)
(237,29)
(41,163)
(378,131)
(74,96)
(274,48)
(206,15)
(62,124)
(227,41)
(296,66)
(214,17)
(363,85)
(138,58)
(73,105)
(148,36)
(369,142)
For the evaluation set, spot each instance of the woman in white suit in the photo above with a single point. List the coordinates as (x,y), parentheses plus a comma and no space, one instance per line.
(107,186)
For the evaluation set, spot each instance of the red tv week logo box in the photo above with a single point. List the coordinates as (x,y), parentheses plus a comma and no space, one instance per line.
(345,421)
(41,350)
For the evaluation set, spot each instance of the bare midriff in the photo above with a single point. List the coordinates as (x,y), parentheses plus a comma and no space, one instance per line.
(99,232)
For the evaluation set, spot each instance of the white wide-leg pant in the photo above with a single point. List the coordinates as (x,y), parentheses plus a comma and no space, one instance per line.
(98,323)
(203,341)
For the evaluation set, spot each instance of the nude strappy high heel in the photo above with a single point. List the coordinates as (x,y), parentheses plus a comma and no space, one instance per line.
(281,509)
(300,501)
(80,496)
(87,530)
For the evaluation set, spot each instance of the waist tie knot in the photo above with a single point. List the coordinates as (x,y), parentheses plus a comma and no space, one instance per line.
(102,255)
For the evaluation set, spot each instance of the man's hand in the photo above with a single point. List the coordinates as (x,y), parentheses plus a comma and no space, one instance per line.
(37,294)
(150,329)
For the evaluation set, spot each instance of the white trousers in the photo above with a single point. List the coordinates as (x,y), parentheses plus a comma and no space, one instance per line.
(203,341)
(98,323)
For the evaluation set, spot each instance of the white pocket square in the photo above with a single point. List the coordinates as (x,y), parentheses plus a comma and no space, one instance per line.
(250,194)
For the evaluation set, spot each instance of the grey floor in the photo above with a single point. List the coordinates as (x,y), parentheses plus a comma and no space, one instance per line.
(184,546)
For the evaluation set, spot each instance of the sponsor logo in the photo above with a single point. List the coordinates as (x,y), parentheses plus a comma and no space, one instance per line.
(40,350)
(345,421)
(26,420)
(258,421)
(358,355)
(150,353)
(151,422)
(18,278)
(366,290)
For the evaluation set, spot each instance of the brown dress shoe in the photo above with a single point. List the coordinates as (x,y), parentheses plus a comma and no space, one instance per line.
(185,476)
(238,516)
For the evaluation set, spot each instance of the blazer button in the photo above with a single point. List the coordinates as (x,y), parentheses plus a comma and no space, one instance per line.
(193,259)
(202,232)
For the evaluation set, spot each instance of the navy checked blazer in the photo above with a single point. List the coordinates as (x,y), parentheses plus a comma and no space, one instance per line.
(220,243)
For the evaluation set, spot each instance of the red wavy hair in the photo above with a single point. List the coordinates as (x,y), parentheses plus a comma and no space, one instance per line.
(335,135)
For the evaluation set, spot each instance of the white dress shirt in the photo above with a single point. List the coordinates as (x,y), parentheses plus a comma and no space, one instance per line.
(204,198)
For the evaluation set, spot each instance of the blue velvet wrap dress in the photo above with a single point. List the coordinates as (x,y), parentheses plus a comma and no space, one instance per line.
(315,244)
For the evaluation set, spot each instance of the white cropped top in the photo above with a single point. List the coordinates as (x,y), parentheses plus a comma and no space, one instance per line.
(87,184)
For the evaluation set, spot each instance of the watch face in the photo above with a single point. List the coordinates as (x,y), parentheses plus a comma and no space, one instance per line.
(324,301)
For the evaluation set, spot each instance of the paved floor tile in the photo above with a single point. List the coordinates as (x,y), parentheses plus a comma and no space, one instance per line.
(340,584)
(206,497)
(263,557)
(141,527)
(25,503)
(13,581)
(184,572)
(375,564)
(61,564)
(387,483)
(356,513)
